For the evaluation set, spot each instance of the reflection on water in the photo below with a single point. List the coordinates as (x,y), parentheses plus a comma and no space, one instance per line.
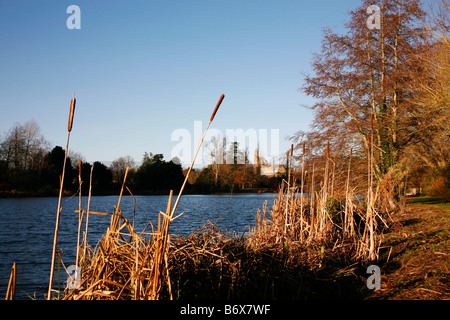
(27,228)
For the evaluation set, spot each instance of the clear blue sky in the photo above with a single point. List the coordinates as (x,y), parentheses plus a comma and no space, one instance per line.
(142,69)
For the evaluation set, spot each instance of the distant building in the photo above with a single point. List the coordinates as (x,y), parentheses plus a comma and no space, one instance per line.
(262,167)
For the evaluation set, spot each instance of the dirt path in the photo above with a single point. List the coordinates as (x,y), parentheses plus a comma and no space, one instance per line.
(414,260)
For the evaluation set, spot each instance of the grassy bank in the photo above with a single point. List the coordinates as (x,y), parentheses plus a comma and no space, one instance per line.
(415,262)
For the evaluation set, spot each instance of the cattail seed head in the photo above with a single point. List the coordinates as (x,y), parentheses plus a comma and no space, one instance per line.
(79,168)
(292,149)
(72,111)
(217,107)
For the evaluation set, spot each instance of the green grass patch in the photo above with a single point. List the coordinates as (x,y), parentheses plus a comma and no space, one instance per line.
(438,202)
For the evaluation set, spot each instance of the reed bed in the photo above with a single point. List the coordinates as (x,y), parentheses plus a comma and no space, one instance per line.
(323,218)
(281,255)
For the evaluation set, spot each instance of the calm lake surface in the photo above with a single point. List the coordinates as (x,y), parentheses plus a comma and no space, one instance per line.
(27,228)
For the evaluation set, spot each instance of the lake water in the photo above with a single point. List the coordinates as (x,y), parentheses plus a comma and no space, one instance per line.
(27,228)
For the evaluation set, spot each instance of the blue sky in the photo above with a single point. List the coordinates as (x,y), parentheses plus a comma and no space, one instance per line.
(142,69)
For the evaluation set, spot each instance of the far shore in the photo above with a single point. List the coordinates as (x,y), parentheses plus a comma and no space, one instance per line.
(36,194)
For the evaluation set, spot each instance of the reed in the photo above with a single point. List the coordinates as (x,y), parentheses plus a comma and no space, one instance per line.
(11,291)
(80,213)
(196,153)
(88,211)
(163,232)
(348,228)
(301,192)
(58,211)
(289,160)
(117,213)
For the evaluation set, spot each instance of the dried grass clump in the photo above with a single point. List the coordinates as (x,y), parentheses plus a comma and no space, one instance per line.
(118,268)
(210,264)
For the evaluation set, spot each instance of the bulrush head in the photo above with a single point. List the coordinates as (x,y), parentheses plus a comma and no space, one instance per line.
(72,111)
(217,107)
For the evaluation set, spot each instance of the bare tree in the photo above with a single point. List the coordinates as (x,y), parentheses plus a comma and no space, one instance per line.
(33,142)
(22,144)
(431,139)
(215,151)
(119,166)
(363,74)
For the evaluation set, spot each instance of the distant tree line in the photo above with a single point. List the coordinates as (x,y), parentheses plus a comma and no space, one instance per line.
(29,167)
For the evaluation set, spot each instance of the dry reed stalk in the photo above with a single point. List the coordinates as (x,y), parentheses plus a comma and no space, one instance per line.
(134,204)
(58,212)
(289,159)
(371,203)
(196,153)
(11,291)
(312,207)
(348,210)
(322,203)
(301,193)
(80,213)
(161,244)
(332,179)
(88,211)
(118,213)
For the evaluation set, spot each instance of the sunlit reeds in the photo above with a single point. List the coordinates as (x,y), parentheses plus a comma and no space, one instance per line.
(323,217)
(303,221)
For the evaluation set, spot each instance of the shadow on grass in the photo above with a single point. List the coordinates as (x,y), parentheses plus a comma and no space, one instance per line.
(425,200)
